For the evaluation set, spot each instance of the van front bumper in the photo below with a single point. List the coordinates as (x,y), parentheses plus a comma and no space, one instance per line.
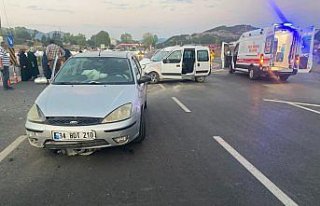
(41,135)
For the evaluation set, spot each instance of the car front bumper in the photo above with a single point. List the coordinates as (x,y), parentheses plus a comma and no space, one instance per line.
(41,135)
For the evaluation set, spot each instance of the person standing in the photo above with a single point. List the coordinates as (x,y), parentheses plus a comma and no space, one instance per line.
(52,52)
(34,70)
(45,66)
(25,65)
(4,66)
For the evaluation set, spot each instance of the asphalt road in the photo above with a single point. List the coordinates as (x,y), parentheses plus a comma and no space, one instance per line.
(180,162)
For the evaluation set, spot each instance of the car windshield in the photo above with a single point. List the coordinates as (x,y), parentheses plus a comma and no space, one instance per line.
(95,70)
(160,55)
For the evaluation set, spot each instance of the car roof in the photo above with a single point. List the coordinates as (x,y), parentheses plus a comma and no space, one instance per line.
(106,53)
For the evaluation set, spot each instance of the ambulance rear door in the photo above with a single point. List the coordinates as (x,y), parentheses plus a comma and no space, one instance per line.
(306,52)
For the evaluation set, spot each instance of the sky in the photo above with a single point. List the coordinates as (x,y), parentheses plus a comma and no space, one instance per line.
(162,17)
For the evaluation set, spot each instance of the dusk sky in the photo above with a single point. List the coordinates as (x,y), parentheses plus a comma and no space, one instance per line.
(162,17)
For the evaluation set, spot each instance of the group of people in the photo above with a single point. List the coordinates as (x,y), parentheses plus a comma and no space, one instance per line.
(28,62)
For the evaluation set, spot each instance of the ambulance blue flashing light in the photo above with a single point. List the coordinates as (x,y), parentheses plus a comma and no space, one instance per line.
(287,24)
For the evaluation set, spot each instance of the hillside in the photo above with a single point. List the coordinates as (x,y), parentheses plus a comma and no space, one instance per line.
(212,36)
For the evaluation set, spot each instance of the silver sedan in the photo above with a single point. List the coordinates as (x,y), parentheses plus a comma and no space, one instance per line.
(96,100)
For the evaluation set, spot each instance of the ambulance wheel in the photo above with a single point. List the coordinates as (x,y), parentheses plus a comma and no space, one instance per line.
(154,77)
(231,70)
(253,74)
(200,79)
(284,77)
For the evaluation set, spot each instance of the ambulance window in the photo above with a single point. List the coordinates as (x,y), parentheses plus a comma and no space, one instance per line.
(175,57)
(268,46)
(203,56)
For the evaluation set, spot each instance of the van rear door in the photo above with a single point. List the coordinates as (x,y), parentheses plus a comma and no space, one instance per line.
(286,43)
(306,53)
(202,62)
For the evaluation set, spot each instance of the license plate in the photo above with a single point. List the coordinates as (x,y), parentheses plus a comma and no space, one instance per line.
(73,136)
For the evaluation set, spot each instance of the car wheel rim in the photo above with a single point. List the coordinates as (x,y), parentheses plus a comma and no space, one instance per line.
(153,77)
(251,74)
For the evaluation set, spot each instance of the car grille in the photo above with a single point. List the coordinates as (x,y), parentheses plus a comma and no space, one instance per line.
(50,144)
(73,121)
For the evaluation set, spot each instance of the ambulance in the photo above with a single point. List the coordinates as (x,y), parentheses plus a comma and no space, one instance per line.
(273,51)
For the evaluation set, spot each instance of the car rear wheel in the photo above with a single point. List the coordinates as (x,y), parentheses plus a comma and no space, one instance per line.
(253,74)
(200,79)
(154,77)
(142,130)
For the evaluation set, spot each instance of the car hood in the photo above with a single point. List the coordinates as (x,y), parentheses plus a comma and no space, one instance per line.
(153,66)
(84,100)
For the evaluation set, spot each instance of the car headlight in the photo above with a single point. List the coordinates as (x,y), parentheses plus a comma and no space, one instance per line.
(35,114)
(121,113)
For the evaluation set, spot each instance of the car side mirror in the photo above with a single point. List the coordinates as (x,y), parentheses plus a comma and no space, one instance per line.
(41,80)
(144,79)
(165,61)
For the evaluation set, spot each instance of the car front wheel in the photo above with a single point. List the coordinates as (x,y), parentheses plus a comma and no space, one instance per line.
(154,77)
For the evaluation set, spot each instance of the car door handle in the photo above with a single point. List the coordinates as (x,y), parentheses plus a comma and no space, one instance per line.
(198,64)
(178,65)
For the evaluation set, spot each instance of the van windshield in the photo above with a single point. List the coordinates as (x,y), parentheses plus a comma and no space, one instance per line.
(160,55)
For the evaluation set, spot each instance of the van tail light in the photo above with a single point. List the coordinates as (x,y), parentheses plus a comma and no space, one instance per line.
(261,60)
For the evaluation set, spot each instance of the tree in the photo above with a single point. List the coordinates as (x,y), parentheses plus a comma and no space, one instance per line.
(101,38)
(21,35)
(126,38)
(44,39)
(155,40)
(148,40)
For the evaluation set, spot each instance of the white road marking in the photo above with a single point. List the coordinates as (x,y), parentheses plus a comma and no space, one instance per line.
(287,102)
(183,107)
(11,147)
(286,200)
(162,87)
(305,108)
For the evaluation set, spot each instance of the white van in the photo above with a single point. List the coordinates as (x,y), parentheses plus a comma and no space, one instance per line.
(157,56)
(272,51)
(187,62)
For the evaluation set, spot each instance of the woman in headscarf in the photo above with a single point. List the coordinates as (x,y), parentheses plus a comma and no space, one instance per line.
(34,63)
(24,65)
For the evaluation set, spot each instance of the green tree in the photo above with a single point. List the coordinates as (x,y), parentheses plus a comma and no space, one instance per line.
(101,38)
(155,40)
(126,38)
(148,40)
(21,35)
(44,39)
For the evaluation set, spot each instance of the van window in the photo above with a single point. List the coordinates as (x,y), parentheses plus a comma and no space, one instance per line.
(203,56)
(175,57)
(268,46)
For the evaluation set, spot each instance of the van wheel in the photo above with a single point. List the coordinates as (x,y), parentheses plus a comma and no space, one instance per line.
(142,130)
(253,74)
(231,70)
(284,77)
(200,79)
(154,77)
